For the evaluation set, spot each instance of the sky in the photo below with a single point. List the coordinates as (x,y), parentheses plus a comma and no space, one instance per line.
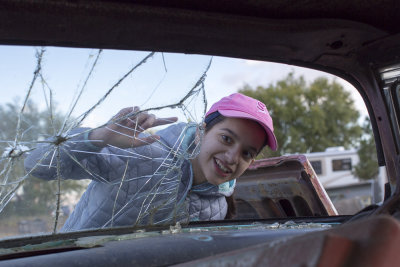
(163,79)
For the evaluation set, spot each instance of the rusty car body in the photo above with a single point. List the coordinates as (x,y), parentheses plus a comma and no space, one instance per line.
(281,187)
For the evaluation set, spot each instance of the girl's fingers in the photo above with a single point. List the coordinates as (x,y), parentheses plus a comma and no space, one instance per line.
(149,122)
(137,123)
(121,116)
(125,112)
(132,118)
(130,122)
(141,118)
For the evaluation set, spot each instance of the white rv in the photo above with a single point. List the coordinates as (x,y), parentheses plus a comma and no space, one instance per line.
(334,169)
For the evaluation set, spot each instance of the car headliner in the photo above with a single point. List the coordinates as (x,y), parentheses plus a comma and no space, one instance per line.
(289,31)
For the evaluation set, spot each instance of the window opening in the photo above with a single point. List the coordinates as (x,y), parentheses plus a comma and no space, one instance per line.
(341,164)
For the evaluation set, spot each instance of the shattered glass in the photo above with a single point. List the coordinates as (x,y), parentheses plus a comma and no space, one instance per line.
(145,84)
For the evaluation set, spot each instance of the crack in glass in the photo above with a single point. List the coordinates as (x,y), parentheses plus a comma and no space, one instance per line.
(158,192)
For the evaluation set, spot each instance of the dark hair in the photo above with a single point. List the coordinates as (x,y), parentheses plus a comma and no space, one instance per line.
(213,119)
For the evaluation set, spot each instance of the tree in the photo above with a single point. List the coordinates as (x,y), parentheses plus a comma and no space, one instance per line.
(36,196)
(368,167)
(308,118)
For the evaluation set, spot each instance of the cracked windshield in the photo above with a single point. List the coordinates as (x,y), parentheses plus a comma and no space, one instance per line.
(106,138)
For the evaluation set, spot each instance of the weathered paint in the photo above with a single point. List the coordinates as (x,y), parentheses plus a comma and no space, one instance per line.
(282,187)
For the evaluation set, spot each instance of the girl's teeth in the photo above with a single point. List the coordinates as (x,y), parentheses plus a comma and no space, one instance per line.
(221,166)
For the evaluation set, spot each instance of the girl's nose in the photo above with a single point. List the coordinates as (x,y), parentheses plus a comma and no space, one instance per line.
(233,156)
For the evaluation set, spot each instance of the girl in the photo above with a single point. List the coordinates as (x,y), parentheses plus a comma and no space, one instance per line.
(178,174)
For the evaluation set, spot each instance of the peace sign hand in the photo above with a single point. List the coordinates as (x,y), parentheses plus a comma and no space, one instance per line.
(124,128)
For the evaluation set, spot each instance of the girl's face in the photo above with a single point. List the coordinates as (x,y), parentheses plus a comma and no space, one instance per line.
(227,150)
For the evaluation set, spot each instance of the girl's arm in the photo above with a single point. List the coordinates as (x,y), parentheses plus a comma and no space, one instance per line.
(69,157)
(92,154)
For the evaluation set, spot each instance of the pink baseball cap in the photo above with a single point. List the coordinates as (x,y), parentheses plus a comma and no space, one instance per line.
(240,106)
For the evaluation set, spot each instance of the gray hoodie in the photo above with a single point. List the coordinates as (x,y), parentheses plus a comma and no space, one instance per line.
(147,185)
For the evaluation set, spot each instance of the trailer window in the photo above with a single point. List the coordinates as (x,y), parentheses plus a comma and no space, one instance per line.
(341,164)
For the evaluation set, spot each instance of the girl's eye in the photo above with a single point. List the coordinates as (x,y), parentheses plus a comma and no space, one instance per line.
(226,139)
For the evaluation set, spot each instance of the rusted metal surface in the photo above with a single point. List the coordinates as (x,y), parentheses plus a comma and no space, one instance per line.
(372,242)
(281,187)
(319,189)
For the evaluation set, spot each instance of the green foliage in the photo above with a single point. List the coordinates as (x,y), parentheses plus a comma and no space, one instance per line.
(368,167)
(34,196)
(308,118)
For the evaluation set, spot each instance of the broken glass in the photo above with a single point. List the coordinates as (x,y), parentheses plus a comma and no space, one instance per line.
(57,139)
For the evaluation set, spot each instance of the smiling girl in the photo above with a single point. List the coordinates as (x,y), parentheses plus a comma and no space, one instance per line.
(133,181)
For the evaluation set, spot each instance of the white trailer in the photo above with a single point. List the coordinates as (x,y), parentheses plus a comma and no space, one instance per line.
(334,168)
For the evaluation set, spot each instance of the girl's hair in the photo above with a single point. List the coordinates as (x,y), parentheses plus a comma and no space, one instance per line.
(213,119)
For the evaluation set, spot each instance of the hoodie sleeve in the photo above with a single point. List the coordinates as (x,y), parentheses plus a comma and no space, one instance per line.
(76,158)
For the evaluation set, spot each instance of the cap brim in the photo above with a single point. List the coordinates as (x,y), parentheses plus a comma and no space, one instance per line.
(272,142)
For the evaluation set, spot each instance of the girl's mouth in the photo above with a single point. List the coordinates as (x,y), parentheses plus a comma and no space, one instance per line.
(222,170)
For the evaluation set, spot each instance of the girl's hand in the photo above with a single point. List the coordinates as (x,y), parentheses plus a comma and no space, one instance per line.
(124,133)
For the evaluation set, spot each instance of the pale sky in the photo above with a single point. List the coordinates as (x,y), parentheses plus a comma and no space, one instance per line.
(151,85)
